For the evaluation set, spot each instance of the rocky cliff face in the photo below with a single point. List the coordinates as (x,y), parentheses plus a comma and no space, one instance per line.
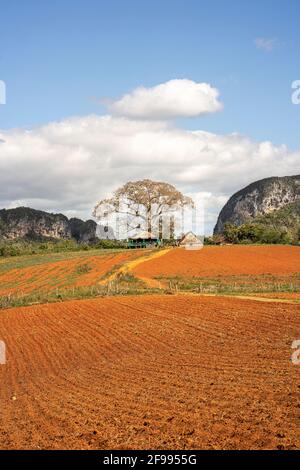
(32,224)
(259,198)
(83,231)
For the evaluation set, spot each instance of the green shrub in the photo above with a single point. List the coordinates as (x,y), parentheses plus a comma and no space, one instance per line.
(83,268)
(108,244)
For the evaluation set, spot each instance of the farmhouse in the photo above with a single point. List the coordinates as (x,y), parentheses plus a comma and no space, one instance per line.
(190,241)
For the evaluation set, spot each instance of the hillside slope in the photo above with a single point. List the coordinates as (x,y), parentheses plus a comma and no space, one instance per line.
(258,199)
(286,219)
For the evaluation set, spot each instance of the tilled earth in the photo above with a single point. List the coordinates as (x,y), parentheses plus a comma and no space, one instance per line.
(176,372)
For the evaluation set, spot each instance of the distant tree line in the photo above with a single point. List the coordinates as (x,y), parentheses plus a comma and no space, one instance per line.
(254,233)
(28,247)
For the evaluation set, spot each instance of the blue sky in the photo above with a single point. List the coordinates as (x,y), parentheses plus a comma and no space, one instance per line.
(57,57)
(60,58)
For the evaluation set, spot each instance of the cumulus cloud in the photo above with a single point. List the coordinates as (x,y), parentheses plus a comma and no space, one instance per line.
(173,99)
(266,44)
(67,166)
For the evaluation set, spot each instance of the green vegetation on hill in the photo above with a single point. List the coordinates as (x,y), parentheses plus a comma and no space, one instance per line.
(281,226)
(286,219)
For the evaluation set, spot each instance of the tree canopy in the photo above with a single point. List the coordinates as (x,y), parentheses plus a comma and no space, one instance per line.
(143,204)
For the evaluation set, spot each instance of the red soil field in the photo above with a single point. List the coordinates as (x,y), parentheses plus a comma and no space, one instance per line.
(59,274)
(177,371)
(224,261)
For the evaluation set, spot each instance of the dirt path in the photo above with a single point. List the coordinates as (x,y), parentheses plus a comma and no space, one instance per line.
(154,283)
(130,265)
(245,297)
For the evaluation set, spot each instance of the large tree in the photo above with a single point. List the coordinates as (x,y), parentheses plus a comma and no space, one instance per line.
(143,204)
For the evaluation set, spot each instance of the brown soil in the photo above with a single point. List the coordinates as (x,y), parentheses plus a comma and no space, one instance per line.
(59,274)
(224,261)
(174,371)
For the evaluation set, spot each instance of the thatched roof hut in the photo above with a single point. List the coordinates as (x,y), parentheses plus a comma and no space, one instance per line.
(142,239)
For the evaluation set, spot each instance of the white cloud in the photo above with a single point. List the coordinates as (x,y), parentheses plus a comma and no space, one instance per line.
(266,44)
(67,166)
(175,98)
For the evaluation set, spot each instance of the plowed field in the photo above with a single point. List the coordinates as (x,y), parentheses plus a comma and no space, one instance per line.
(224,261)
(48,276)
(178,371)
